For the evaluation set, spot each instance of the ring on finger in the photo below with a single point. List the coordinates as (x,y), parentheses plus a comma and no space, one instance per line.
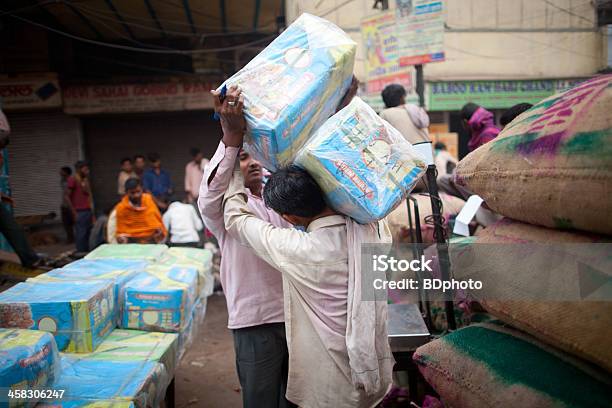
(231,103)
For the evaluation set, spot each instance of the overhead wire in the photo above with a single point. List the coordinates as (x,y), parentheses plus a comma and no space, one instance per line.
(145,50)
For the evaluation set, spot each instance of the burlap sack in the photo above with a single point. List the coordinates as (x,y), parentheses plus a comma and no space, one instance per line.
(552,165)
(582,328)
(488,365)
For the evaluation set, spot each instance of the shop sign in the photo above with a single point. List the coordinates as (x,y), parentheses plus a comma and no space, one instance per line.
(452,95)
(24,93)
(132,97)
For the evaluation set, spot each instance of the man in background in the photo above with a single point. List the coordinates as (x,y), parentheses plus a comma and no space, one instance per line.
(412,121)
(126,172)
(479,123)
(66,212)
(184,224)
(157,182)
(140,165)
(138,219)
(512,112)
(193,175)
(78,193)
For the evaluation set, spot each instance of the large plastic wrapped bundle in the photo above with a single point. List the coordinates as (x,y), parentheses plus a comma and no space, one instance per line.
(488,365)
(552,165)
(107,265)
(513,273)
(118,276)
(201,259)
(363,165)
(142,252)
(135,345)
(28,360)
(189,331)
(293,86)
(79,314)
(160,299)
(142,382)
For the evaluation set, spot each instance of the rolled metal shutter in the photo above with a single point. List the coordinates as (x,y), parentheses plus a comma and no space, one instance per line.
(40,144)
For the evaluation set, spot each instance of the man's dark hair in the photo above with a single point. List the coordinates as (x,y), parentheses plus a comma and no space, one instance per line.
(67,170)
(468,110)
(139,156)
(440,146)
(392,95)
(80,164)
(292,191)
(153,157)
(125,159)
(132,183)
(194,151)
(513,112)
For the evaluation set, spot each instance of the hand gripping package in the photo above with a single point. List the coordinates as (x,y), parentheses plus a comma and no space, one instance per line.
(363,165)
(293,86)
(28,360)
(79,314)
(160,299)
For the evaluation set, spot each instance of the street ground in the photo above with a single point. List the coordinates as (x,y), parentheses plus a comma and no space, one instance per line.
(206,376)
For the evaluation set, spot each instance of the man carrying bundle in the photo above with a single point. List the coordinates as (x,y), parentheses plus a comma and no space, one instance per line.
(138,218)
(339,355)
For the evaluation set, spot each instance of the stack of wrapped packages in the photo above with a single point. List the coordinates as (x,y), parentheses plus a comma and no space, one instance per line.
(121,319)
(292,91)
(546,268)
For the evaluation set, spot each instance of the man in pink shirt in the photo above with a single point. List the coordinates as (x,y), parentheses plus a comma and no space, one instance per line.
(193,174)
(253,289)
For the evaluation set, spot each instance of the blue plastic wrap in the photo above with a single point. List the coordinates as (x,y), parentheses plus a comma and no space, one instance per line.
(141,252)
(79,314)
(201,259)
(363,164)
(28,359)
(142,382)
(160,299)
(293,86)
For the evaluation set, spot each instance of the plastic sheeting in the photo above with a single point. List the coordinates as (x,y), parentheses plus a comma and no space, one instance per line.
(79,314)
(142,252)
(135,345)
(142,382)
(364,165)
(28,359)
(160,299)
(293,86)
(201,259)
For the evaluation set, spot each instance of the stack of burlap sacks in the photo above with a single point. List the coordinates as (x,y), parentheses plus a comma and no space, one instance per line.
(550,173)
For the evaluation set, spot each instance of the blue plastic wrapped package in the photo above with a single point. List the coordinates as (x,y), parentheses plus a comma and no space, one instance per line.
(28,359)
(160,299)
(118,277)
(142,382)
(142,252)
(201,259)
(108,265)
(79,314)
(135,345)
(293,86)
(363,164)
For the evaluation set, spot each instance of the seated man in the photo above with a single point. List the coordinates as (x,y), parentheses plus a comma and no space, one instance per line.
(339,355)
(138,219)
(184,225)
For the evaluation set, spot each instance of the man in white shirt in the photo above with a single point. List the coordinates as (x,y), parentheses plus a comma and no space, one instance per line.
(183,223)
(412,121)
(339,355)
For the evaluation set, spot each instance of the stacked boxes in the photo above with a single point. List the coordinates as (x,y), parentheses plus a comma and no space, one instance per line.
(160,299)
(79,314)
(140,252)
(28,359)
(201,259)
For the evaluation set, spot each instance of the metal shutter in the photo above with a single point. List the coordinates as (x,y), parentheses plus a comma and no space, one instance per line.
(40,144)
(110,138)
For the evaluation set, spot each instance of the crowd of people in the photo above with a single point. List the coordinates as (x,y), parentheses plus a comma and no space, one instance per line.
(147,210)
